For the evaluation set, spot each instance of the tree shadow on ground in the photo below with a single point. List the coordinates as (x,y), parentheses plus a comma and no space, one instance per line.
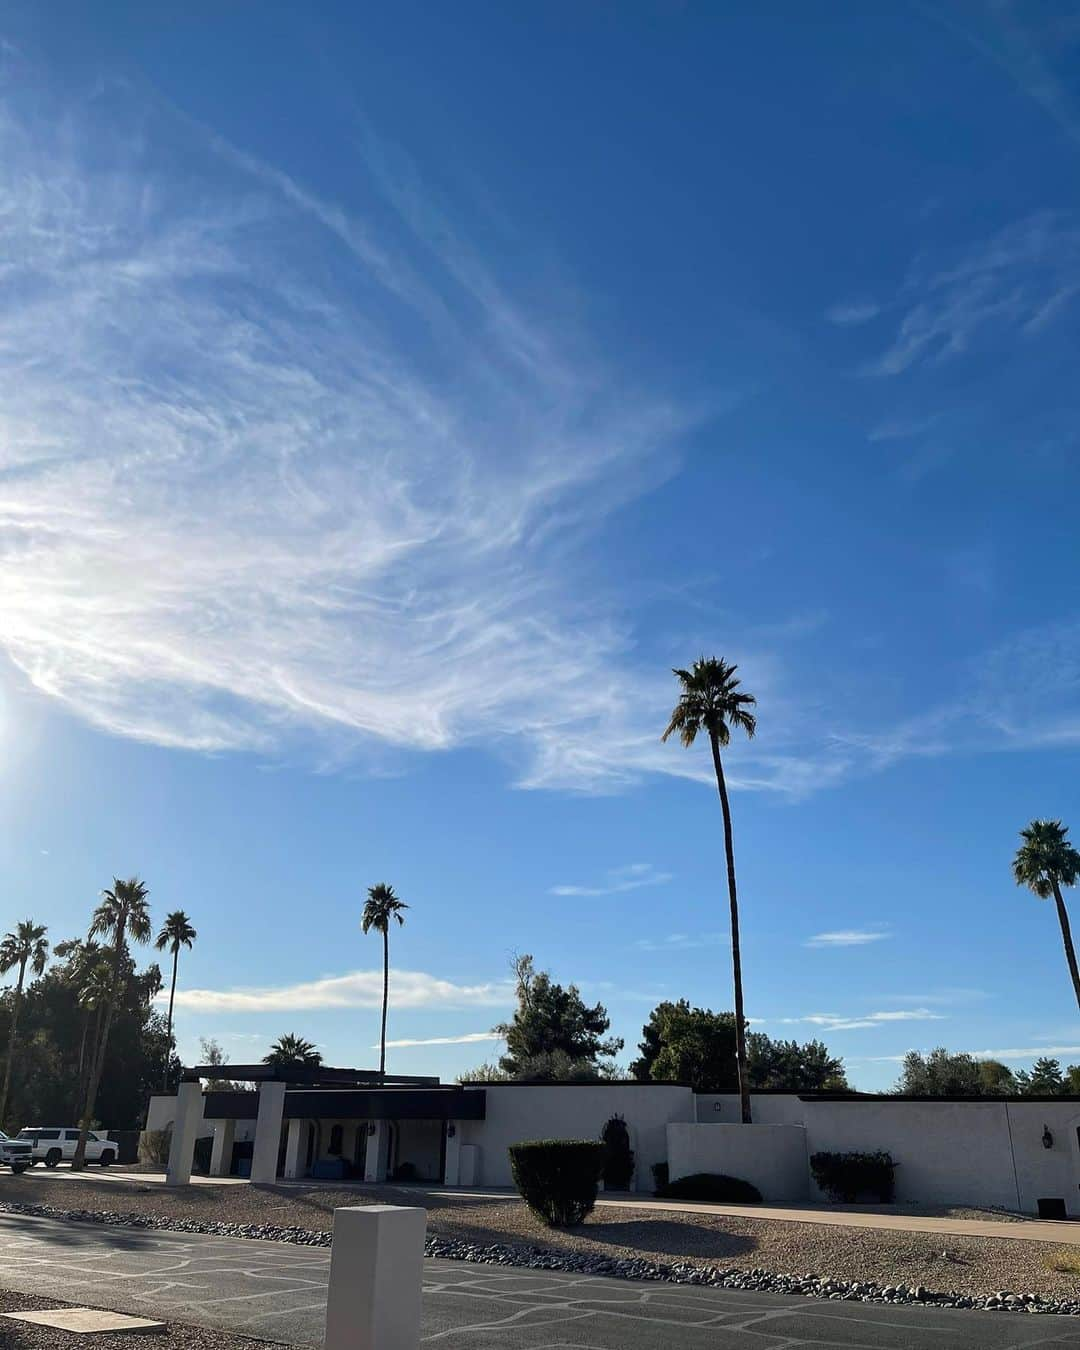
(659,1236)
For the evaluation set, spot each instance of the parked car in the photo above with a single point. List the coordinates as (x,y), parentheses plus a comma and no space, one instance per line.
(14,1153)
(56,1144)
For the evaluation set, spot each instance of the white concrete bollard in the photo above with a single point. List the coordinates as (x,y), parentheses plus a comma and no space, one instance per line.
(376,1278)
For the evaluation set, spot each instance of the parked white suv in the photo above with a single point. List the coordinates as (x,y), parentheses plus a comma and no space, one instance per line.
(15,1154)
(54,1144)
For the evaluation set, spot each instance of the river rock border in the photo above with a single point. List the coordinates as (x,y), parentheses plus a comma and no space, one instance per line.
(577,1263)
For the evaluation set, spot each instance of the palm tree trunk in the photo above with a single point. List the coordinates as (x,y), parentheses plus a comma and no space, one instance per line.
(82,1064)
(736,951)
(15,1009)
(1066,937)
(168,1026)
(385,995)
(78,1162)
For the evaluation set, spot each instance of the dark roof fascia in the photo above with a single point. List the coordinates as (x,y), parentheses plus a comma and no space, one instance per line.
(970,1099)
(437,1103)
(319,1075)
(588,1083)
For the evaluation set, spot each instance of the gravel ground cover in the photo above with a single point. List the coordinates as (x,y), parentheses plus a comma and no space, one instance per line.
(23,1336)
(691,1248)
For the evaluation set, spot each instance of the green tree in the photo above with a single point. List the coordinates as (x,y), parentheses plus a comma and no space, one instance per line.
(55,1029)
(176,932)
(996,1079)
(123,912)
(697,1046)
(682,1044)
(381,908)
(1044,863)
(213,1055)
(554,1033)
(940,1074)
(711,701)
(84,960)
(293,1052)
(1044,1080)
(25,947)
(791,1067)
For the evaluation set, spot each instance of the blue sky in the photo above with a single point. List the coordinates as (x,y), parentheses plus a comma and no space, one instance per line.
(393,395)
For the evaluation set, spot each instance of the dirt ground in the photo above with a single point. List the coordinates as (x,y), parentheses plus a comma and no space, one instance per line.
(968,1265)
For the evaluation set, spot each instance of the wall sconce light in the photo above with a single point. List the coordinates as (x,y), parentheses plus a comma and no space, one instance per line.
(716,1106)
(1047,1137)
(451,1131)
(371,1127)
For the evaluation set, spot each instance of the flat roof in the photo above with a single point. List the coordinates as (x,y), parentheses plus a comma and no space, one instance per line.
(319,1074)
(381,1103)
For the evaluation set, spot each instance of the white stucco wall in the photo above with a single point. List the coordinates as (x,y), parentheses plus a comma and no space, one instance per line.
(946,1152)
(1046,1172)
(771,1157)
(766,1109)
(575,1111)
(161,1113)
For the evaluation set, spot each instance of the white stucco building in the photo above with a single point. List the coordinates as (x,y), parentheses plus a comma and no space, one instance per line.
(1016,1153)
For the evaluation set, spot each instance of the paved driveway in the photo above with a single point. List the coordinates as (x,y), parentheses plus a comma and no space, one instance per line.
(278,1292)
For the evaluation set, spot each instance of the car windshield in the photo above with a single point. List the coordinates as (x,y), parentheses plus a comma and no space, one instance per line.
(4,1136)
(24,1134)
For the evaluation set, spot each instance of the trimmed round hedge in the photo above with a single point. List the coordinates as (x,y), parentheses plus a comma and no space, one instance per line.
(714,1186)
(557,1178)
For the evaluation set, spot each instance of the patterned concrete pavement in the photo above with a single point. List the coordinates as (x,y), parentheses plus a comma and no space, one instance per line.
(278,1291)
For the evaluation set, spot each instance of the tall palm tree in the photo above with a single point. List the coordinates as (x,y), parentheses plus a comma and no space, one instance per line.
(1045,862)
(291,1051)
(382,906)
(176,932)
(25,947)
(710,700)
(122,913)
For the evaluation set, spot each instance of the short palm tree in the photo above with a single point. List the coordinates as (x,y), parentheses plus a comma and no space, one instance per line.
(84,959)
(1045,862)
(122,913)
(291,1051)
(25,947)
(95,991)
(383,905)
(176,932)
(710,701)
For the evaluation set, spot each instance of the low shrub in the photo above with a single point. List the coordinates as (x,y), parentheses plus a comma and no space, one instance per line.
(714,1186)
(557,1178)
(154,1146)
(845,1176)
(660,1177)
(619,1163)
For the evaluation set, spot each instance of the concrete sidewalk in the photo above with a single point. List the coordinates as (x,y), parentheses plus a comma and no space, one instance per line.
(1066,1232)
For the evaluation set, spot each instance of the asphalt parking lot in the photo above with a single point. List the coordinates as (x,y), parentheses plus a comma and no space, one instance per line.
(278,1291)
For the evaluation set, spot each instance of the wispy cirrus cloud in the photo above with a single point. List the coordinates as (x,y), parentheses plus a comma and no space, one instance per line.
(848,937)
(837,1022)
(681,942)
(851,313)
(273,479)
(358,989)
(1027,1052)
(631,877)
(1012,284)
(469,1038)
